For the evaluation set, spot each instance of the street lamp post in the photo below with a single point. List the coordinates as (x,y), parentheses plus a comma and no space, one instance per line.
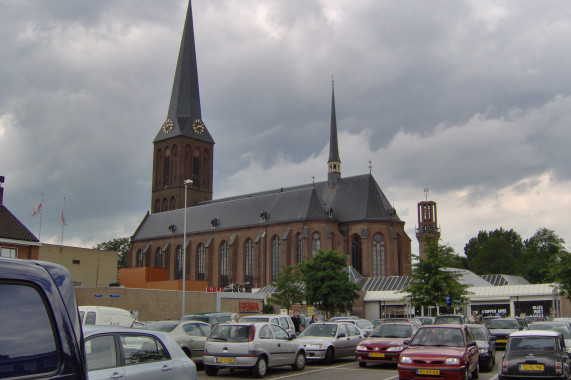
(186,182)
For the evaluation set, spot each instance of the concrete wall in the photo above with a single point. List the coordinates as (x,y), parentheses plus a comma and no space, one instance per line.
(88,267)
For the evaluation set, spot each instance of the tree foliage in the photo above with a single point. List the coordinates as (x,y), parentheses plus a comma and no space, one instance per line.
(120,245)
(288,290)
(543,252)
(327,286)
(494,252)
(431,283)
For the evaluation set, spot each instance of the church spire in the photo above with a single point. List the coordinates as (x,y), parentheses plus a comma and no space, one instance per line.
(184,116)
(334,163)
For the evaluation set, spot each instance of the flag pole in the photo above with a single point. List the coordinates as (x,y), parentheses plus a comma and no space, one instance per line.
(62,220)
(40,234)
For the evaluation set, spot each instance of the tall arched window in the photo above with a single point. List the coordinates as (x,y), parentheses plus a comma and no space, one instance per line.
(159,258)
(165,206)
(276,257)
(139,258)
(379,269)
(167,168)
(157,207)
(205,165)
(315,244)
(159,164)
(196,169)
(298,249)
(201,265)
(178,262)
(249,256)
(356,254)
(172,204)
(224,264)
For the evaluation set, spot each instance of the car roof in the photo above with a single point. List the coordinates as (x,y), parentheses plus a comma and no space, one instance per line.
(535,333)
(447,325)
(475,325)
(98,329)
(265,316)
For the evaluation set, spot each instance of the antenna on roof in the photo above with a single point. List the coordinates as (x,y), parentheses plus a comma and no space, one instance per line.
(426,191)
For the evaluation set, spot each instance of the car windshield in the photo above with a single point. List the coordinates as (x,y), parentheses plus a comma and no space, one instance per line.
(552,327)
(448,320)
(321,330)
(254,319)
(231,333)
(532,344)
(201,318)
(164,326)
(443,336)
(479,333)
(391,331)
(503,324)
(364,324)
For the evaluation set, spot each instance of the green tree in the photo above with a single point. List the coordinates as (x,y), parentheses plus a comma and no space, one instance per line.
(288,290)
(543,251)
(451,259)
(327,286)
(431,283)
(561,273)
(120,245)
(500,247)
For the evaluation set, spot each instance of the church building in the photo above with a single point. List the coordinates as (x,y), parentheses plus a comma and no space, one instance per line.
(248,239)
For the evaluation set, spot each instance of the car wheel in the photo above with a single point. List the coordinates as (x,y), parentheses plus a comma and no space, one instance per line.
(210,370)
(261,367)
(329,355)
(467,374)
(476,372)
(362,364)
(299,362)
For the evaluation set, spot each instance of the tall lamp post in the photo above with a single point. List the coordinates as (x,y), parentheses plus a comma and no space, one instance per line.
(186,182)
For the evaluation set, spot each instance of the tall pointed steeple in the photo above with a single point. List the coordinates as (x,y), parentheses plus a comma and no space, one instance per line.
(184,115)
(334,163)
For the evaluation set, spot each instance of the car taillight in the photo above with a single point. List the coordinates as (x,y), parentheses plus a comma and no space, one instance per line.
(504,367)
(558,368)
(252,333)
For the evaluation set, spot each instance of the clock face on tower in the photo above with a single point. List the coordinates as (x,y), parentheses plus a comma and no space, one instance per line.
(167,125)
(198,126)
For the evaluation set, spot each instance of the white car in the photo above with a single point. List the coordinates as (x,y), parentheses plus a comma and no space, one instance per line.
(126,353)
(190,335)
(256,346)
(330,340)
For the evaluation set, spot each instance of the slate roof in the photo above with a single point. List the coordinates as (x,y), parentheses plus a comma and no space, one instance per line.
(11,228)
(353,199)
(504,279)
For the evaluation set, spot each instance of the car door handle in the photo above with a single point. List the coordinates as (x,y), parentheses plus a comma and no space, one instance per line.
(279,344)
(116,375)
(167,368)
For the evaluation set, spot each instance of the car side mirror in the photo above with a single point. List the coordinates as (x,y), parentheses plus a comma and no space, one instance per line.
(367,334)
(406,342)
(342,335)
(472,343)
(292,336)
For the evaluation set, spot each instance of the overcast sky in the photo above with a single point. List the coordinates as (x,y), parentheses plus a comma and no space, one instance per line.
(469,98)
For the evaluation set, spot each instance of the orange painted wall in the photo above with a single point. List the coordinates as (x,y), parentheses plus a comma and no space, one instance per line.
(156,278)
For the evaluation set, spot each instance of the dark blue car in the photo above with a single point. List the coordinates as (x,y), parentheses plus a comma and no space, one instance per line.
(40,333)
(486,344)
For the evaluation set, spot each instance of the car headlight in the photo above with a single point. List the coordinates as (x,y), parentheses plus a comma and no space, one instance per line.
(395,349)
(406,359)
(314,346)
(361,348)
(452,361)
(483,350)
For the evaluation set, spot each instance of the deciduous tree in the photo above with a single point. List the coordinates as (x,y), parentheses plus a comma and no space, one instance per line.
(120,245)
(288,289)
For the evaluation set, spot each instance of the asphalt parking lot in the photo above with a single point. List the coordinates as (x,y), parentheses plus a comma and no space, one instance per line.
(342,369)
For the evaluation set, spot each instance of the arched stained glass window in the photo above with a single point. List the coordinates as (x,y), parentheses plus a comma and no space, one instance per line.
(159,258)
(224,259)
(249,258)
(201,265)
(178,262)
(379,267)
(315,243)
(276,257)
(299,249)
(357,254)
(139,258)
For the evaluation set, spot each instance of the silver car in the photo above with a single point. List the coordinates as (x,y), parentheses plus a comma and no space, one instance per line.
(257,346)
(125,353)
(190,335)
(362,324)
(277,319)
(331,340)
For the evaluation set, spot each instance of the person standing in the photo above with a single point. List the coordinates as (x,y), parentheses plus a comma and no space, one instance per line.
(313,319)
(296,319)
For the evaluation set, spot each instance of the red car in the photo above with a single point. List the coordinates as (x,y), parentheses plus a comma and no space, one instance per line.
(440,352)
(385,343)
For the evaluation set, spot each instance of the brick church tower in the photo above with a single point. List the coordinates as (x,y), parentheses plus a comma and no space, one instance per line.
(427,224)
(183,147)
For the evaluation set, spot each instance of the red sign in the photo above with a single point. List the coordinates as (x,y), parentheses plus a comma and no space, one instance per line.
(249,307)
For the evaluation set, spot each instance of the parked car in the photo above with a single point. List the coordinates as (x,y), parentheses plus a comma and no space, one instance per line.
(385,343)
(486,345)
(402,320)
(338,318)
(533,354)
(362,324)
(563,327)
(124,353)
(487,319)
(257,346)
(105,316)
(330,340)
(440,351)
(502,328)
(40,333)
(189,335)
(533,318)
(521,322)
(377,321)
(278,319)
(426,320)
(210,318)
(450,319)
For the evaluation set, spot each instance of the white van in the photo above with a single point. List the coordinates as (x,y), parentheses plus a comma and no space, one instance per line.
(106,316)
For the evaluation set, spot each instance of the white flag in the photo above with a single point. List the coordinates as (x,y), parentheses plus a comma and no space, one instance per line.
(37,209)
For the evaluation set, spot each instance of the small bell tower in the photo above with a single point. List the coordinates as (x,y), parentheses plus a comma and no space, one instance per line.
(427,224)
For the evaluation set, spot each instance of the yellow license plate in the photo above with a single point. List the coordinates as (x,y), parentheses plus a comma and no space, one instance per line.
(428,372)
(225,360)
(501,341)
(376,355)
(531,367)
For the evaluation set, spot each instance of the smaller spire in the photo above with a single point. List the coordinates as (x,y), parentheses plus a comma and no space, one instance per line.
(334,163)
